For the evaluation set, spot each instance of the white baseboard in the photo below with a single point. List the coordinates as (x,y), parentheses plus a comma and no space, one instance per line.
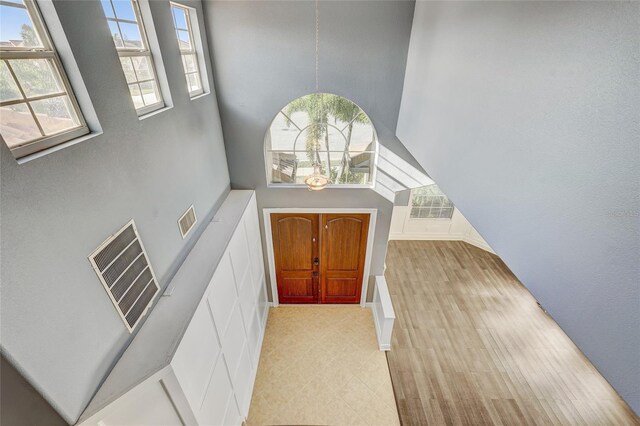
(444,237)
(480,244)
(320,305)
(425,237)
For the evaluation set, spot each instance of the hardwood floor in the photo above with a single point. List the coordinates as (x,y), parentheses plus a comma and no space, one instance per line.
(471,346)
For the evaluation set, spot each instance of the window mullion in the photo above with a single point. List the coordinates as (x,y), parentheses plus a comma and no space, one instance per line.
(68,89)
(155,79)
(144,102)
(113,10)
(140,22)
(40,29)
(126,21)
(35,118)
(173,18)
(193,48)
(119,32)
(15,78)
(135,73)
(33,99)
(291,121)
(11,4)
(190,51)
(45,52)
(144,51)
(131,53)
(27,54)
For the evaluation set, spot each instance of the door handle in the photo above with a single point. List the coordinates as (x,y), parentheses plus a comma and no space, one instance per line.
(316,261)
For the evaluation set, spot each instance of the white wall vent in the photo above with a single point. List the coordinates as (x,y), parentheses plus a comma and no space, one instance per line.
(186,221)
(123,267)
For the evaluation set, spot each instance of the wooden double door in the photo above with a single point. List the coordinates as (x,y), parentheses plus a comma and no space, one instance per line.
(319,258)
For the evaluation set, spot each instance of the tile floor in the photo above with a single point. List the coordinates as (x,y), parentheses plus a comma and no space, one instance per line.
(321,366)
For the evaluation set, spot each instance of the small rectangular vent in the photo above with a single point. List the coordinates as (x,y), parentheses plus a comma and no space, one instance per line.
(124,270)
(186,221)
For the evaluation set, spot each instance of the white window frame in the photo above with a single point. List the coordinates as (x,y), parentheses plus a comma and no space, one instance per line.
(411,207)
(190,14)
(144,52)
(269,152)
(47,52)
(269,167)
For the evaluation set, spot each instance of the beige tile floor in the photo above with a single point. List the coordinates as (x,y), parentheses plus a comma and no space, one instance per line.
(321,366)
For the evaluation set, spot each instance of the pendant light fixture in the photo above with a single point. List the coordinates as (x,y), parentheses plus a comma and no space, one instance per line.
(317,181)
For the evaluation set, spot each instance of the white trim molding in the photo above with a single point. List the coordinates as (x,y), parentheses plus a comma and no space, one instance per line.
(449,237)
(266,212)
(383,313)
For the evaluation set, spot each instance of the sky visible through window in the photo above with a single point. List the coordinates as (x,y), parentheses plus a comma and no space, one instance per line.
(185,35)
(14,23)
(35,102)
(127,31)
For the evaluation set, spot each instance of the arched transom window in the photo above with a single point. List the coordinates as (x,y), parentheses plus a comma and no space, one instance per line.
(321,129)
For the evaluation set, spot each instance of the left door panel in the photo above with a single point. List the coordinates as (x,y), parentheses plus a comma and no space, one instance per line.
(295,243)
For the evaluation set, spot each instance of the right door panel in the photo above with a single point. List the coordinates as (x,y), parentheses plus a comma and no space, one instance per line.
(344,244)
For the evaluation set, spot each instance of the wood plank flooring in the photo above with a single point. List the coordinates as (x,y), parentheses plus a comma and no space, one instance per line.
(471,346)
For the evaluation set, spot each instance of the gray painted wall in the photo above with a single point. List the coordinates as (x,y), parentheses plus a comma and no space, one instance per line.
(526,114)
(263,54)
(20,403)
(58,325)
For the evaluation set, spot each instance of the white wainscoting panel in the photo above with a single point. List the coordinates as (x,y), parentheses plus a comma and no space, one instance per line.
(210,374)
(248,299)
(196,356)
(233,416)
(218,396)
(222,295)
(130,413)
(234,340)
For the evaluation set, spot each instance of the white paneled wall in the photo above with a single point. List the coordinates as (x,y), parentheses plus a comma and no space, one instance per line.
(232,319)
(210,378)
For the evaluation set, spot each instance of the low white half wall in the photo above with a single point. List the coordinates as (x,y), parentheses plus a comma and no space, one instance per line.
(383,314)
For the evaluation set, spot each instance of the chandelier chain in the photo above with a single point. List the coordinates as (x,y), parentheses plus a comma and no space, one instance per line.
(317,181)
(317,44)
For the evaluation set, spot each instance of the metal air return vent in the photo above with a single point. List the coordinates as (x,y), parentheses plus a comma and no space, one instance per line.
(186,221)
(123,267)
